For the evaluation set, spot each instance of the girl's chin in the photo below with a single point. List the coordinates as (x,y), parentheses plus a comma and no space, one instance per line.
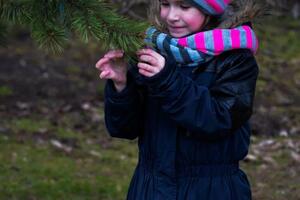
(178,35)
(178,32)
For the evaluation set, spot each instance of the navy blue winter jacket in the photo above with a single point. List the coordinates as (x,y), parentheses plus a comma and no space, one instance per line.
(192,128)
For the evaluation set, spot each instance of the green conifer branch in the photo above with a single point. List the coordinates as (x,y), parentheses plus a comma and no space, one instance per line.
(52,21)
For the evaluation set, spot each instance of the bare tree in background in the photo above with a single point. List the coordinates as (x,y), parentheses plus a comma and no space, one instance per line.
(296,10)
(128,7)
(292,7)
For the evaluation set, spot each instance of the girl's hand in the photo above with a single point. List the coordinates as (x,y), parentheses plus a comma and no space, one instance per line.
(150,62)
(113,67)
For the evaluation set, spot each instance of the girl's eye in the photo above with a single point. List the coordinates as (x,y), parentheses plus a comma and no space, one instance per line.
(185,6)
(164,3)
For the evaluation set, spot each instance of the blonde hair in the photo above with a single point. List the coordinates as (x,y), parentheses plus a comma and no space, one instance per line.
(154,18)
(154,15)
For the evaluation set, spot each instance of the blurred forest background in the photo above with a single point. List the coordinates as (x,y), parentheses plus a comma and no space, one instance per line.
(53,143)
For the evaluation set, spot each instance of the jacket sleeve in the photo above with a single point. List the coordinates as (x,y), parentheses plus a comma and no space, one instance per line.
(123,110)
(209,112)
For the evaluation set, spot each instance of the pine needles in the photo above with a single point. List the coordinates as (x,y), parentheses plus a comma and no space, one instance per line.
(53,22)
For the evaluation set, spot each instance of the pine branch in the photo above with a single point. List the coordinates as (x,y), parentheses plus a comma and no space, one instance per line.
(14,11)
(52,21)
(132,32)
(49,37)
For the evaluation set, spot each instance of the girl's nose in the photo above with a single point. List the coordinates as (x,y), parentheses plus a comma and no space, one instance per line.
(173,15)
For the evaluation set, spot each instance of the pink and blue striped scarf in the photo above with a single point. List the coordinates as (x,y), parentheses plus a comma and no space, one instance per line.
(197,48)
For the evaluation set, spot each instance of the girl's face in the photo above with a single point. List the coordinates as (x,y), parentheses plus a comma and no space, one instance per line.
(181,18)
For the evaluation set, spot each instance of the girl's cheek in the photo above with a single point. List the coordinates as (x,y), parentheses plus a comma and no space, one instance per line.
(163,13)
(196,24)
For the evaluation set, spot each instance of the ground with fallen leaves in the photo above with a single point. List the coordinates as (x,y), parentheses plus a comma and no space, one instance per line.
(53,143)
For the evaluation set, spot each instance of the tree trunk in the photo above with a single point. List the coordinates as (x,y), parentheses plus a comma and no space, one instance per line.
(296,10)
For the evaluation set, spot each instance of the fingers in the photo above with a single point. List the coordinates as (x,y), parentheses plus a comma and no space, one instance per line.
(109,56)
(148,59)
(150,62)
(151,57)
(104,75)
(114,54)
(148,69)
(148,52)
(102,62)
(145,51)
(145,73)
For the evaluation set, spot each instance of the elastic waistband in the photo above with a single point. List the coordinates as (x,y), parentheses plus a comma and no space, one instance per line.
(207,170)
(201,170)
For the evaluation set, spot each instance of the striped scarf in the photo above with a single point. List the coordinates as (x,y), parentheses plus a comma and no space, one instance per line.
(197,48)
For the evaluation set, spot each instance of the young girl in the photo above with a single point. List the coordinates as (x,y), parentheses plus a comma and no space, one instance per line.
(188,102)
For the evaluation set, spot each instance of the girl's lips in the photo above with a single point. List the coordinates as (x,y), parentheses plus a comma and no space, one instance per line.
(172,28)
(175,27)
